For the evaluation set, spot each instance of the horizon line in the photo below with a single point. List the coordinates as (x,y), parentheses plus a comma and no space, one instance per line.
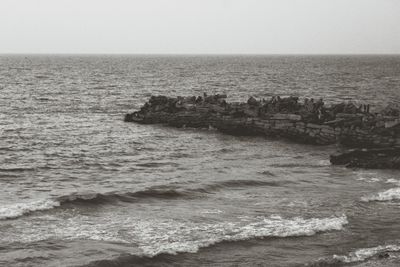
(201,54)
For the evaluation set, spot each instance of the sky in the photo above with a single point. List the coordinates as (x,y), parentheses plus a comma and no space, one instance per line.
(200,26)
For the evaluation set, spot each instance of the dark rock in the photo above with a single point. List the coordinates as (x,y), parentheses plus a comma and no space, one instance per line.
(388,158)
(383,255)
(252,101)
(391,110)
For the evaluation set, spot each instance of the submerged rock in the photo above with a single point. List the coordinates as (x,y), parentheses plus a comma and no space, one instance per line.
(388,158)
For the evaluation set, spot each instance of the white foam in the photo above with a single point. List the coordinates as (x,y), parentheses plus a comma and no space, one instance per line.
(374,180)
(393,181)
(369,177)
(366,253)
(176,237)
(172,236)
(18,209)
(212,211)
(79,227)
(388,195)
(368,180)
(324,162)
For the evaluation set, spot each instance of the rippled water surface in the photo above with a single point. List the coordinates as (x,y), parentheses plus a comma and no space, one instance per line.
(79,187)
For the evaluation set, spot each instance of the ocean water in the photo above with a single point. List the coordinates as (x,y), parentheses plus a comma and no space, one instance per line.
(79,187)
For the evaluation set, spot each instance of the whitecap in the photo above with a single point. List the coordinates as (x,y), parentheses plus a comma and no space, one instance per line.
(393,181)
(155,236)
(366,253)
(369,177)
(212,211)
(388,195)
(374,180)
(176,237)
(368,180)
(324,162)
(11,211)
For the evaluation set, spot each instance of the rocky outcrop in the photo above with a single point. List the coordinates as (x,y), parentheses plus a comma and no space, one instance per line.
(388,158)
(306,122)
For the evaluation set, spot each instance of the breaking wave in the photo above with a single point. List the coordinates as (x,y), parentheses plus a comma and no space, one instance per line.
(388,195)
(16,210)
(97,198)
(393,181)
(366,253)
(178,238)
(359,255)
(161,240)
(12,211)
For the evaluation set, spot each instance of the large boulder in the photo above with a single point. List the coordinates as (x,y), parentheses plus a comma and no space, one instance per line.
(252,101)
(391,110)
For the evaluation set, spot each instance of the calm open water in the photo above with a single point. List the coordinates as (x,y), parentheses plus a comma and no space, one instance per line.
(79,187)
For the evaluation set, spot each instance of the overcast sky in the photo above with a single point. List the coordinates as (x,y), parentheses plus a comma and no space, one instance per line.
(200,26)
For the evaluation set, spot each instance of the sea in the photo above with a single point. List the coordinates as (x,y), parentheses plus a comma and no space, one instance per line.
(81,187)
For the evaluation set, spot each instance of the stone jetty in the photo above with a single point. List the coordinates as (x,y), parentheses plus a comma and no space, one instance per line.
(309,121)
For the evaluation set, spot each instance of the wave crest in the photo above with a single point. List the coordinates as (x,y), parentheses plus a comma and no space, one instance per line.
(161,240)
(98,198)
(366,253)
(388,195)
(16,210)
(91,198)
(170,242)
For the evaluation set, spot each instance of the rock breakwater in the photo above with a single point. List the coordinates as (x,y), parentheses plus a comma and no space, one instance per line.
(309,121)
